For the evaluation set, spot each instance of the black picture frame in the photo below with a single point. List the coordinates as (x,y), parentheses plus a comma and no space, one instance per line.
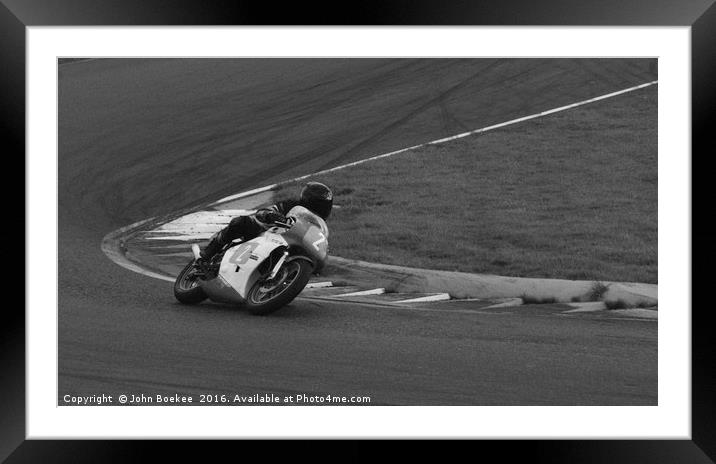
(17,15)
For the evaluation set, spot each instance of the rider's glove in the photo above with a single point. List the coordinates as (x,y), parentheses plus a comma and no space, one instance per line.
(268,217)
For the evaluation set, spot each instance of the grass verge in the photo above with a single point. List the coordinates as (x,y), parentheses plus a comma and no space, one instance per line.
(571,195)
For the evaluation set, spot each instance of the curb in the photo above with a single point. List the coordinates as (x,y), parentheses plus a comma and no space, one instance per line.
(463,285)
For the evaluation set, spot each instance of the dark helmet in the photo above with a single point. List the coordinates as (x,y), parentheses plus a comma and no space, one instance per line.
(318,198)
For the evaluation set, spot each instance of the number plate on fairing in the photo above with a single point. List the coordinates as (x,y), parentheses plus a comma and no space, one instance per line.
(238,267)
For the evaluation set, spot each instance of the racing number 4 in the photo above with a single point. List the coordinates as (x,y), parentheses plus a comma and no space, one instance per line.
(242,253)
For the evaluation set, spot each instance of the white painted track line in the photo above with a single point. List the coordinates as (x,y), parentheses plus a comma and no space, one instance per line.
(443,140)
(543,113)
(436,297)
(112,249)
(245,194)
(372,291)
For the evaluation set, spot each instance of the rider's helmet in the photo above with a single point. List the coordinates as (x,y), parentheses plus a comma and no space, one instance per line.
(318,198)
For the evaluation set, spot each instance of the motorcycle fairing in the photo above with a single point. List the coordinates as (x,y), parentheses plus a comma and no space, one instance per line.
(220,291)
(239,263)
(310,233)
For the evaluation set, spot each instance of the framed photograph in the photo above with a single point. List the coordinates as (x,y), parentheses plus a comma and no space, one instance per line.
(416,222)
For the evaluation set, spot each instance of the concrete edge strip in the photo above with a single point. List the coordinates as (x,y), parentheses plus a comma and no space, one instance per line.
(422,299)
(438,141)
(372,291)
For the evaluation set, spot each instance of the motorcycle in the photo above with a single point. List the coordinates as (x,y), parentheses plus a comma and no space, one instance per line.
(262,274)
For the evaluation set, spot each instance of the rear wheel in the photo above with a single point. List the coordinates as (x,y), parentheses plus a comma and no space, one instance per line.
(186,286)
(268,295)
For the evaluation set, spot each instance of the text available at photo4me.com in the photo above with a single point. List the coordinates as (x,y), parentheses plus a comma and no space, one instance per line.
(209,399)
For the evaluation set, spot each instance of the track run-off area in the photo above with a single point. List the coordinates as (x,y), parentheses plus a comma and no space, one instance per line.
(142,138)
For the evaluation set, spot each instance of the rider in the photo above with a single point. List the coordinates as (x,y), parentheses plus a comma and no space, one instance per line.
(315,197)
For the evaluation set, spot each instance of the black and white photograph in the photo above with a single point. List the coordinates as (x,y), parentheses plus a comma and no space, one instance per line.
(427,222)
(357,231)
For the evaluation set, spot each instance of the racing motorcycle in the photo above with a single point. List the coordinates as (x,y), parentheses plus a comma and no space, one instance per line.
(262,274)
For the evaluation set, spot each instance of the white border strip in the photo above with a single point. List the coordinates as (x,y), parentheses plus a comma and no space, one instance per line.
(319,284)
(436,297)
(439,141)
(373,291)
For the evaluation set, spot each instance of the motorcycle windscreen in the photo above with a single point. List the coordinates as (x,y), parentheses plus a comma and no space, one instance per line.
(303,214)
(240,263)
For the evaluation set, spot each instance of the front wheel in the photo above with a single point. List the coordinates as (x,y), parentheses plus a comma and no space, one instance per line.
(186,286)
(268,295)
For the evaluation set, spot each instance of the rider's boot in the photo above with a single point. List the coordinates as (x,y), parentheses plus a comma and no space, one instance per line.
(211,248)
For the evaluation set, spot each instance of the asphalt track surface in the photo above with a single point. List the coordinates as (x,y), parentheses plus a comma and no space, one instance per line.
(140,138)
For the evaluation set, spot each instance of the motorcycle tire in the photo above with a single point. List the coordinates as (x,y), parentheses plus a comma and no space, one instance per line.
(299,272)
(186,287)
